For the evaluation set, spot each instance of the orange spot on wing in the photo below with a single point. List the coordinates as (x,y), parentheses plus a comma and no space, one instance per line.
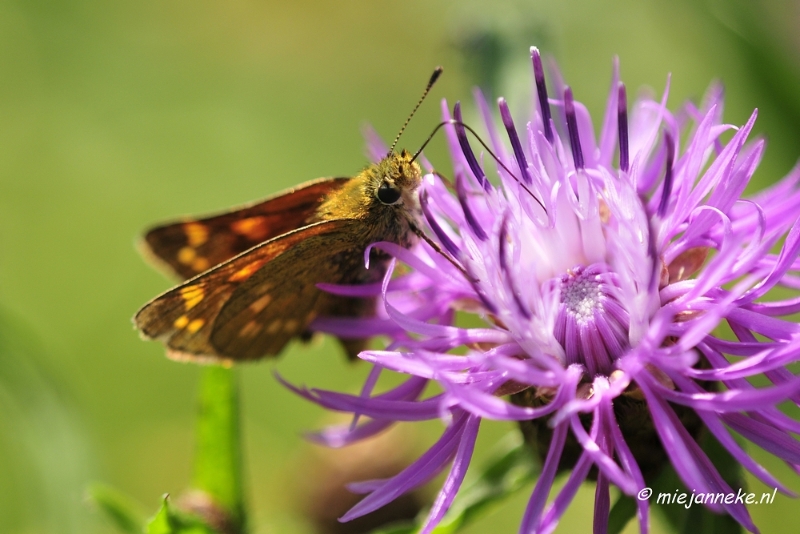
(200,264)
(196,233)
(254,228)
(250,329)
(245,272)
(262,302)
(192,295)
(186,255)
(195,325)
(181,322)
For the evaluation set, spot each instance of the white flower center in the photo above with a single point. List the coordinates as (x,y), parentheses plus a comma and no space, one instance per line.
(581,295)
(591,324)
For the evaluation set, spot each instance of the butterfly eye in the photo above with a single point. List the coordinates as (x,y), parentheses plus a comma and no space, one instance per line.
(388,194)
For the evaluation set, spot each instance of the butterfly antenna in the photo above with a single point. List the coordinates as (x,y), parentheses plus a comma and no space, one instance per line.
(435,76)
(485,146)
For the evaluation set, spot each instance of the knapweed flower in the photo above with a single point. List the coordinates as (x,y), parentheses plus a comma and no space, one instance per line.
(624,287)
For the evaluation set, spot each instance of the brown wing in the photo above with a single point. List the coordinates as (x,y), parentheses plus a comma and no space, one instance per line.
(279,301)
(191,246)
(253,304)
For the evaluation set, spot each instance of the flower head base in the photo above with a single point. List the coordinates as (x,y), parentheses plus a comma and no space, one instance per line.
(601,286)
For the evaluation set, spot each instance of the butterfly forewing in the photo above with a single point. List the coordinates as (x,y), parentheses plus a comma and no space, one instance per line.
(279,301)
(253,304)
(190,247)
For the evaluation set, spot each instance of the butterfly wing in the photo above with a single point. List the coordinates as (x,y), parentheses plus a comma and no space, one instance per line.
(189,247)
(253,304)
(279,301)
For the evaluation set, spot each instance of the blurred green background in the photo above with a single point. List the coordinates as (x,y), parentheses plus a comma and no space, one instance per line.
(116,115)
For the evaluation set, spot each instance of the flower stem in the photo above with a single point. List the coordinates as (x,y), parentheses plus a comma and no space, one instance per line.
(218,458)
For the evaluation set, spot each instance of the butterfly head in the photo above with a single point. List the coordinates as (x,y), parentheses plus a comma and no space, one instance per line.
(394,180)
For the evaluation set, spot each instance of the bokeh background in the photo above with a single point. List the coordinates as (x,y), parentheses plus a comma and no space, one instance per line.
(116,115)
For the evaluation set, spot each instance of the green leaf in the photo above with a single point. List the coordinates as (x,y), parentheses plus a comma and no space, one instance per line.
(218,463)
(509,468)
(169,521)
(162,522)
(120,508)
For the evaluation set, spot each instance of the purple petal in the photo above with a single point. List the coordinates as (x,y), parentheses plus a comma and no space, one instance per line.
(455,477)
(508,122)
(488,122)
(604,462)
(491,407)
(461,133)
(444,239)
(729,401)
(572,127)
(425,468)
(533,512)
(336,437)
(376,148)
(674,439)
(628,462)
(463,199)
(622,128)
(667,189)
(608,132)
(565,496)
(602,505)
(541,88)
(713,423)
(767,437)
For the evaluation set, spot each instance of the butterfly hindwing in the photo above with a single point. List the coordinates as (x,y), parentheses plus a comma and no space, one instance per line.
(190,247)
(279,301)
(195,319)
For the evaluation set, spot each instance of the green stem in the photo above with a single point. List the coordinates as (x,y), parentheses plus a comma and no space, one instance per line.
(218,459)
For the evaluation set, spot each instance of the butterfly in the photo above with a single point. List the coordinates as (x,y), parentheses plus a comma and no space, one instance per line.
(250,274)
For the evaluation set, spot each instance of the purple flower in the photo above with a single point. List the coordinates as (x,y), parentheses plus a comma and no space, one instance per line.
(601,286)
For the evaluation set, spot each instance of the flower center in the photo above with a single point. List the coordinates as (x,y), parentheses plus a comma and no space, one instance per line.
(581,296)
(591,325)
